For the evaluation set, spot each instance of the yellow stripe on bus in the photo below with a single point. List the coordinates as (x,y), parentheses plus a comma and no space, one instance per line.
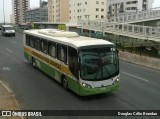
(60,67)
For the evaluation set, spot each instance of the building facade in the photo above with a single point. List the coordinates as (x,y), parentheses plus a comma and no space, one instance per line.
(12,19)
(38,14)
(120,6)
(19,8)
(87,9)
(58,10)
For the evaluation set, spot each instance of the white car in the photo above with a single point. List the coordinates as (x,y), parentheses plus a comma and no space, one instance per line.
(8,30)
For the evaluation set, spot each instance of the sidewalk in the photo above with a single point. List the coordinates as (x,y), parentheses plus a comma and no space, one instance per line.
(7,100)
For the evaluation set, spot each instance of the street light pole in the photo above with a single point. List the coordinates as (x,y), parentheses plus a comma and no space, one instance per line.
(3,12)
(40,14)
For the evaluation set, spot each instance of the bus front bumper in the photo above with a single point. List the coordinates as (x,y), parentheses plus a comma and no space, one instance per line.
(93,91)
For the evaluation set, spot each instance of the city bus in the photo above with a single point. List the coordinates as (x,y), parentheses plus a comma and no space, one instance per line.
(86,66)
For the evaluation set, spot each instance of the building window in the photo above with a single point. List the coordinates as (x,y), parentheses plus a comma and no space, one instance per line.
(134,2)
(102,3)
(128,3)
(97,16)
(102,16)
(97,2)
(102,10)
(85,3)
(97,9)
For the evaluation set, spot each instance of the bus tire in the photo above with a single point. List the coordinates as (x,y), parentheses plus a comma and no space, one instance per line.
(33,63)
(64,83)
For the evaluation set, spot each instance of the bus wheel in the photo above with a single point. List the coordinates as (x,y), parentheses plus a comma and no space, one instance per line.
(33,62)
(65,83)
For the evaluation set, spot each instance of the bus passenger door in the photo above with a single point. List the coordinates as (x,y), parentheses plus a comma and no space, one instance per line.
(74,69)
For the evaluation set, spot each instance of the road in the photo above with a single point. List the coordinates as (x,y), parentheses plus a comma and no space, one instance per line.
(139,89)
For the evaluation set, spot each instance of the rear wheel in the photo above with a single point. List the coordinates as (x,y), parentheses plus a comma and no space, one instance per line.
(65,83)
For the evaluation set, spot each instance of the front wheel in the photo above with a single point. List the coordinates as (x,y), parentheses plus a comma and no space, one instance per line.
(33,63)
(65,83)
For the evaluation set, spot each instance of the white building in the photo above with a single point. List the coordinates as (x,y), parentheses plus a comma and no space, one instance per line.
(119,6)
(87,9)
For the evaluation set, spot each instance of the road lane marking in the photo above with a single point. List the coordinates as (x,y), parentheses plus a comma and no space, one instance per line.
(14,42)
(6,68)
(6,87)
(135,76)
(9,50)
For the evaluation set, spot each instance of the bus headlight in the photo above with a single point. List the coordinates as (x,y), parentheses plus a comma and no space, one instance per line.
(117,80)
(86,85)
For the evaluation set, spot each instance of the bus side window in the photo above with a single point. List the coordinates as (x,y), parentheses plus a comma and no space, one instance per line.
(27,40)
(62,53)
(52,49)
(73,61)
(44,46)
(32,42)
(37,43)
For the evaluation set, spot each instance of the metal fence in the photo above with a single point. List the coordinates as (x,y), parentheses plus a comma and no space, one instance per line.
(136,16)
(135,31)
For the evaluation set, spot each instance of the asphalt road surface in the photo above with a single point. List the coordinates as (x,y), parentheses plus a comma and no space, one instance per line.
(139,88)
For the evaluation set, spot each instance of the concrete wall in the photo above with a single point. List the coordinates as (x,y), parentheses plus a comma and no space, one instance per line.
(140,60)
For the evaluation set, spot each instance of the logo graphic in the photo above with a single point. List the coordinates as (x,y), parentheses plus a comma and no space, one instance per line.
(6,113)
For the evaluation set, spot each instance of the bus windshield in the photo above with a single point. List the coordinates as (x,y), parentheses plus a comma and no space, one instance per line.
(98,63)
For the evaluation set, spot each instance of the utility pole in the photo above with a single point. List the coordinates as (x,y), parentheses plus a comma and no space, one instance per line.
(3,12)
(40,13)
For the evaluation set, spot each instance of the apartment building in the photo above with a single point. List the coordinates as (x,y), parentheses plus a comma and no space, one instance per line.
(19,8)
(37,14)
(87,9)
(120,6)
(58,10)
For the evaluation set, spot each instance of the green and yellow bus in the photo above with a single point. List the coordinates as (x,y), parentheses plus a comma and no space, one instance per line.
(87,66)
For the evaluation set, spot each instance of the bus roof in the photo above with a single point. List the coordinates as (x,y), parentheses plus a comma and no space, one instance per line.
(67,38)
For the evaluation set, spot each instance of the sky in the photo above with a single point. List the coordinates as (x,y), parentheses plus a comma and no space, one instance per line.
(8,8)
(33,4)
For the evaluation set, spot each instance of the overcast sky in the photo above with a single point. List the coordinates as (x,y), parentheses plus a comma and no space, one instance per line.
(8,8)
(33,4)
